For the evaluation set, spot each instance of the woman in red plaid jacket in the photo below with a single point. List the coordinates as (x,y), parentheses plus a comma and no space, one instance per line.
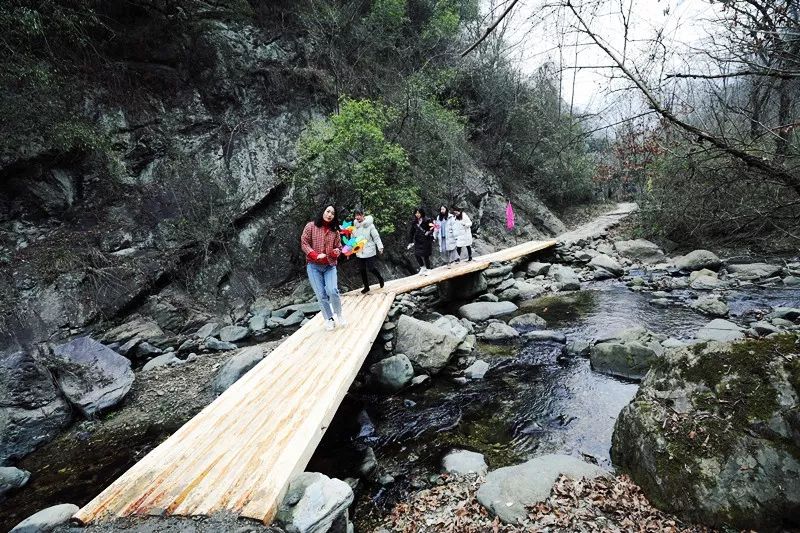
(322,246)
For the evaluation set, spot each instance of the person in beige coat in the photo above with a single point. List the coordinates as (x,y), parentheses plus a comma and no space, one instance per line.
(366,256)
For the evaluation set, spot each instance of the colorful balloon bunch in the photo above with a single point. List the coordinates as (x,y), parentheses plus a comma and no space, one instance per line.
(351,243)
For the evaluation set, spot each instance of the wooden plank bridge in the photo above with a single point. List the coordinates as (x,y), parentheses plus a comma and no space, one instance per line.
(239,453)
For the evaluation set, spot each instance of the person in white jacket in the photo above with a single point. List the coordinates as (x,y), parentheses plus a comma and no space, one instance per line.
(443,230)
(462,230)
(366,256)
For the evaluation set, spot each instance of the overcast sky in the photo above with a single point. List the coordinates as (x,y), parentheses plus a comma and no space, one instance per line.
(543,34)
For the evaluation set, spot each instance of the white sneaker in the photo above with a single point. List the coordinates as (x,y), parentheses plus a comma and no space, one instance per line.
(330,325)
(340,321)
(423,271)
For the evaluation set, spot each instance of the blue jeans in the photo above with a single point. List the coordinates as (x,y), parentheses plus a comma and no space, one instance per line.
(325,284)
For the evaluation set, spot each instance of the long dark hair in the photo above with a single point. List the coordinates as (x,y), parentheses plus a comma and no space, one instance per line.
(446,212)
(460,212)
(319,221)
(421,214)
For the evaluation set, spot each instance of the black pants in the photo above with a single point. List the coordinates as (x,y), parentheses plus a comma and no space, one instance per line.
(423,260)
(469,252)
(368,263)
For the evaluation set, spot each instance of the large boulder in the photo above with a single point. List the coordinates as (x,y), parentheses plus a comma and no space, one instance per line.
(720,330)
(629,355)
(453,326)
(313,503)
(91,376)
(46,519)
(508,491)
(640,251)
(393,373)
(32,409)
(427,346)
(713,434)
(754,270)
(479,311)
(236,367)
(607,263)
(697,260)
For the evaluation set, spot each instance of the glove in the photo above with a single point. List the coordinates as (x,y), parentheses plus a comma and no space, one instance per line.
(410,246)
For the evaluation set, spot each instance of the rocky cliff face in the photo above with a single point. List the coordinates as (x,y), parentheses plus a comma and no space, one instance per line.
(189,197)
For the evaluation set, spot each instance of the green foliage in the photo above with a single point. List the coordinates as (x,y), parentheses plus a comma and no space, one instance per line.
(45,41)
(346,159)
(434,136)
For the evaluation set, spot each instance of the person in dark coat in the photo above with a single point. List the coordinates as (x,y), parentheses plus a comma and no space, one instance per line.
(420,238)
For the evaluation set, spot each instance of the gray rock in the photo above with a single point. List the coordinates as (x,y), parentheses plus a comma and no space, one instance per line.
(294,319)
(578,347)
(313,502)
(566,277)
(211,329)
(640,251)
(307,308)
(702,272)
(236,367)
(791,281)
(764,328)
(508,295)
(46,519)
(476,370)
(12,478)
(488,297)
(144,350)
(32,410)
(629,356)
(498,271)
(463,462)
(233,333)
(786,313)
(369,463)
(508,491)
(257,323)
(705,283)
(427,346)
(159,361)
(672,342)
(609,264)
(91,376)
(536,268)
(754,270)
(480,311)
(393,373)
(467,345)
(711,305)
(452,325)
(261,307)
(527,322)
(697,260)
(546,335)
(661,302)
(218,345)
(528,290)
(720,330)
(499,332)
(138,328)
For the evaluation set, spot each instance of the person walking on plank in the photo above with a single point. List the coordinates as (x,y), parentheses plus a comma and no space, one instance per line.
(365,228)
(322,245)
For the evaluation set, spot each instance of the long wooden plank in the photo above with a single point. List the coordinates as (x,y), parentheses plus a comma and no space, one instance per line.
(280,410)
(444,273)
(240,452)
